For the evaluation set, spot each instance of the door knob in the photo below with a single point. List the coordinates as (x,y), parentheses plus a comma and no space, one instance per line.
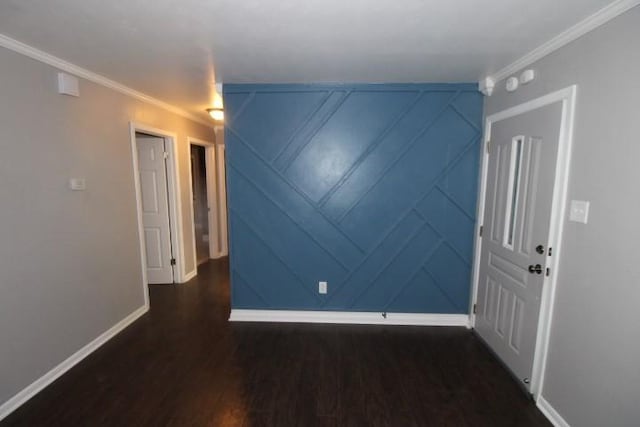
(535,269)
(540,249)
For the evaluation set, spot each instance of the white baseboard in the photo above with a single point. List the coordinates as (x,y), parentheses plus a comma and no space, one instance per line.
(219,255)
(350,317)
(38,385)
(190,275)
(550,412)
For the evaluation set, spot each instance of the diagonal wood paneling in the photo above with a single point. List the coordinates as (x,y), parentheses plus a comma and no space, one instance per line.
(369,187)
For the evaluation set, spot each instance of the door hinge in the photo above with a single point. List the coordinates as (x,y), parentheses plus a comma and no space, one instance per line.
(166,154)
(548,271)
(475,308)
(550,251)
(488,146)
(481,230)
(173,261)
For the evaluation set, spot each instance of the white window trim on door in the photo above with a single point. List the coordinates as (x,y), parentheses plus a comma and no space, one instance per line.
(212,190)
(173,184)
(558,210)
(515,173)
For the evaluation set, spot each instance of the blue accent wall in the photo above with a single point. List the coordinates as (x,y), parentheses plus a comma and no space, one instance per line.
(371,188)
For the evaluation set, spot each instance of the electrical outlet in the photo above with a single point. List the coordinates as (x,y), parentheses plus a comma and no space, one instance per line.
(322,287)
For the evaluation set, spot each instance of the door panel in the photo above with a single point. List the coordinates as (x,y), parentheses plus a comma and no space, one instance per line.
(148,186)
(152,240)
(520,178)
(155,208)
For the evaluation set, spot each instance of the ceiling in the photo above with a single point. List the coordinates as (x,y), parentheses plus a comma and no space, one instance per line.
(176,50)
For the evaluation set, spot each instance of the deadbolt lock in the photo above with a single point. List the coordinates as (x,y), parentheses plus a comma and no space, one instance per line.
(535,269)
(540,249)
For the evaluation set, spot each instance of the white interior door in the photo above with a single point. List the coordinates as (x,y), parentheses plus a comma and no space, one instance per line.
(514,248)
(222,201)
(154,201)
(210,158)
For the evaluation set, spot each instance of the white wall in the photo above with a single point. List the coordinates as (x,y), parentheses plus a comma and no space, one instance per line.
(593,377)
(69,261)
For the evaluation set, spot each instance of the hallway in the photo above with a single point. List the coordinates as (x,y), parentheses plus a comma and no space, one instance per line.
(184,364)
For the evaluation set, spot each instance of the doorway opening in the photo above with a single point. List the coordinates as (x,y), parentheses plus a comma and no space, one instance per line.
(200,200)
(157,193)
(204,200)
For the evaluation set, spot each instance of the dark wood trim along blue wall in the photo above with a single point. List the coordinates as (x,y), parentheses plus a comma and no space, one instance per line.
(371,188)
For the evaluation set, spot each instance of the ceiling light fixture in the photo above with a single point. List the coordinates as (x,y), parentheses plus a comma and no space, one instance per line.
(216,114)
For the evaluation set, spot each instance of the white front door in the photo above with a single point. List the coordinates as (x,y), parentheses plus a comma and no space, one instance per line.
(514,248)
(154,203)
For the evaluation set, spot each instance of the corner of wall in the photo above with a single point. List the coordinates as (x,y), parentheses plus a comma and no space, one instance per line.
(41,383)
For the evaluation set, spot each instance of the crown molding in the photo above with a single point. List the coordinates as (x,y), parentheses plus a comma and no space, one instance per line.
(588,24)
(61,64)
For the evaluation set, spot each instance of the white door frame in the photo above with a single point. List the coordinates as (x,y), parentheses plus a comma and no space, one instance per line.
(173,185)
(558,208)
(212,195)
(222,201)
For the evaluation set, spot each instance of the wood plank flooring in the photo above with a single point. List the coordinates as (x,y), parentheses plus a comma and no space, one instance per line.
(184,364)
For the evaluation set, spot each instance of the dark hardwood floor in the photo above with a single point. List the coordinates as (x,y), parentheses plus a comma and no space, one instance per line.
(184,364)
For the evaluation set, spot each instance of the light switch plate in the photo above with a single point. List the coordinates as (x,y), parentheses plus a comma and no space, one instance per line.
(77,184)
(579,211)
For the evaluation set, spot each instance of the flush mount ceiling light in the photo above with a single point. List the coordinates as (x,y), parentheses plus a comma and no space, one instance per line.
(216,114)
